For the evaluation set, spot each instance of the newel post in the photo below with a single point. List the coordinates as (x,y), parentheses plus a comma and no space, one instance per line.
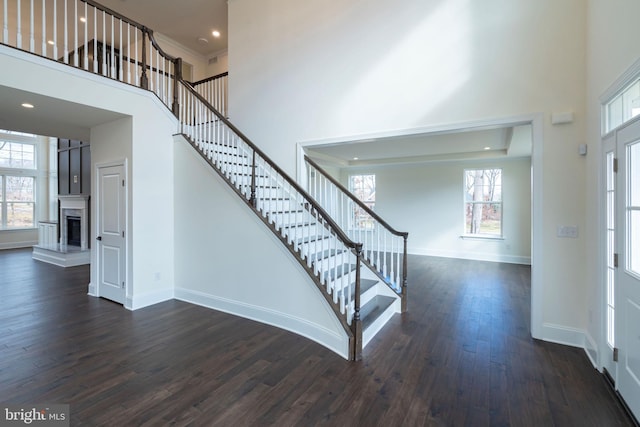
(356,323)
(175,107)
(144,79)
(404,277)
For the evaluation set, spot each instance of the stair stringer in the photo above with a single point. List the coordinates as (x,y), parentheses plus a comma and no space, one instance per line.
(226,259)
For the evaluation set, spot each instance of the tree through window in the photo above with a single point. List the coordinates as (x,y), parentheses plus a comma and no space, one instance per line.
(364,188)
(17,180)
(483,202)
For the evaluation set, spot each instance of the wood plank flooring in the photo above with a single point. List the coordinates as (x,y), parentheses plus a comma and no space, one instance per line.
(461,356)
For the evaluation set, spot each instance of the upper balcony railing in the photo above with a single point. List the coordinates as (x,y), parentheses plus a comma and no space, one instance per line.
(87,35)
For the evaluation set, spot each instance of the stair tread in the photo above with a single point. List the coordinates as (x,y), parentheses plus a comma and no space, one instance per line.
(333,273)
(327,253)
(374,308)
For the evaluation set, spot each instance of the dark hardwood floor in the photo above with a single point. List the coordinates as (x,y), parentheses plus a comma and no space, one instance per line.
(462,355)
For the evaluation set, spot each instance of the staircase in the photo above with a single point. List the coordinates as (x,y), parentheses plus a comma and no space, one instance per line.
(361,273)
(347,273)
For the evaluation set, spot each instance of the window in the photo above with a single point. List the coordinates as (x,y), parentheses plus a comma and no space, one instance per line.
(364,188)
(483,202)
(17,181)
(624,107)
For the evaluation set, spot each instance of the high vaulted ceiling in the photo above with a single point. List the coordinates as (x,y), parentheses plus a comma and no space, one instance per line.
(188,22)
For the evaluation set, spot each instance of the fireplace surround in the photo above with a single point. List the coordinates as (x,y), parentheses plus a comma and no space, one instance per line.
(73,208)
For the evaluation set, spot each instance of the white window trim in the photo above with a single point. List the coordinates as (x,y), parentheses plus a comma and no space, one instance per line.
(470,236)
(6,171)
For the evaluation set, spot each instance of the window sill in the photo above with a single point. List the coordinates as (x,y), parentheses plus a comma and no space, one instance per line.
(481,237)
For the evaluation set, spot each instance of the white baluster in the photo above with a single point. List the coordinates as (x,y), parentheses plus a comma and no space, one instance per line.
(120,71)
(112,68)
(95,40)
(55,30)
(66,34)
(137,77)
(44,29)
(129,53)
(19,28)
(378,244)
(5,24)
(85,61)
(104,43)
(32,39)
(75,33)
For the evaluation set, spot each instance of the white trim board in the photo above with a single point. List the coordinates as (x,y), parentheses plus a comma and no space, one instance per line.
(536,120)
(325,337)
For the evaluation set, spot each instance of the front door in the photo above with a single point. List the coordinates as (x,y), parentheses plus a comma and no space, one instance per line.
(110,236)
(627,299)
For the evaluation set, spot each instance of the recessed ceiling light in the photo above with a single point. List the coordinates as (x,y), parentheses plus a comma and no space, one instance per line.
(487,148)
(216,33)
(27,105)
(83,19)
(51,42)
(355,158)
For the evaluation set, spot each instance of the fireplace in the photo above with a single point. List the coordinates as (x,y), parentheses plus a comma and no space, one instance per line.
(74,221)
(74,235)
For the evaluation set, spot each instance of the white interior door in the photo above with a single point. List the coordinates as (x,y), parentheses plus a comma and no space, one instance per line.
(111,249)
(627,298)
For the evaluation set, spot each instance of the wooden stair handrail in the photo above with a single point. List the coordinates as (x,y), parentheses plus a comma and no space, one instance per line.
(332,224)
(355,199)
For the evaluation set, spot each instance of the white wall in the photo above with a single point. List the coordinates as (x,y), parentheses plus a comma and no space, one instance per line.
(319,70)
(426,200)
(612,49)
(220,66)
(143,138)
(175,49)
(227,259)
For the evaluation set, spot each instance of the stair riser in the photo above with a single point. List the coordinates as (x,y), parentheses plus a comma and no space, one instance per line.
(369,331)
(317,246)
(332,260)
(295,217)
(276,205)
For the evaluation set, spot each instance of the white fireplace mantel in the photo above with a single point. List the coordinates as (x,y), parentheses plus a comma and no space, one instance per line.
(76,205)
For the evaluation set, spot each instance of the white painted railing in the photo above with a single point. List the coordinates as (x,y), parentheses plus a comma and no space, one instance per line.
(308,231)
(383,247)
(214,90)
(86,35)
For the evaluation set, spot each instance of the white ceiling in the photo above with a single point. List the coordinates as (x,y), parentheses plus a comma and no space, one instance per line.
(475,144)
(52,117)
(184,21)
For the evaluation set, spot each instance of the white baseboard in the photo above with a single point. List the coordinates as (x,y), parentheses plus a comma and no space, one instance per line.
(146,299)
(338,344)
(61,259)
(591,349)
(18,245)
(476,256)
(563,335)
(91,290)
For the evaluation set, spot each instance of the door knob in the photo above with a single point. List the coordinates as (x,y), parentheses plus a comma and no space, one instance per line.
(99,238)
